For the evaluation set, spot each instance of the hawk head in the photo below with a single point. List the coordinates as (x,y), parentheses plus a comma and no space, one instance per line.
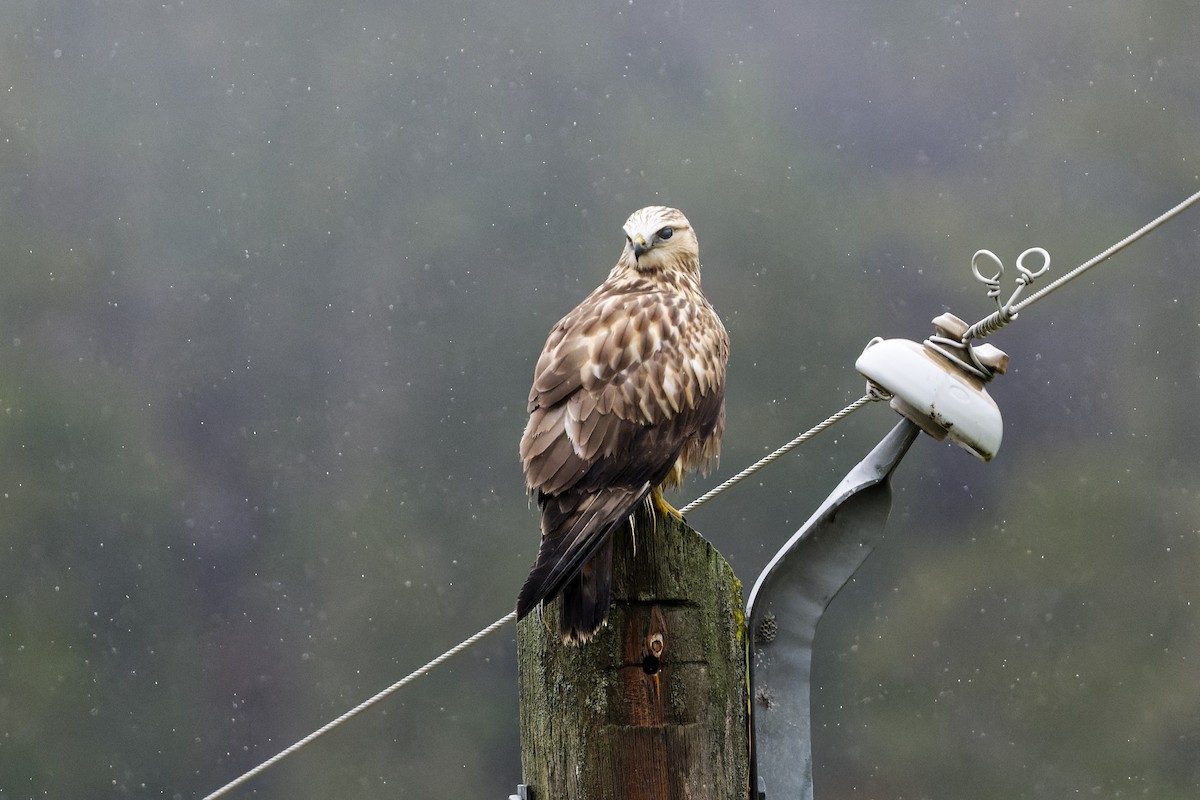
(660,239)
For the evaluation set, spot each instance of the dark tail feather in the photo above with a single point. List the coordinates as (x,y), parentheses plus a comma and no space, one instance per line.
(574,529)
(575,557)
(586,597)
(586,594)
(528,598)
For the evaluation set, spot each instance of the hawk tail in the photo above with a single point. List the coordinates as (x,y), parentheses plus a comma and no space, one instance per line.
(575,559)
(586,597)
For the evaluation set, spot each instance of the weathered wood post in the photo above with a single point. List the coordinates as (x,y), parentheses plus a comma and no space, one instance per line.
(655,707)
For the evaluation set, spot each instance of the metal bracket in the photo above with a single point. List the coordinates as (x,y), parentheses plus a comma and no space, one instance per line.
(787,602)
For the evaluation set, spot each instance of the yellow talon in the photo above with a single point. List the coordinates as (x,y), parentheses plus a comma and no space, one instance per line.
(662,506)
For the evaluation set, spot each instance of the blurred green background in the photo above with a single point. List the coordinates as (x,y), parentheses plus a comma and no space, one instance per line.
(275,275)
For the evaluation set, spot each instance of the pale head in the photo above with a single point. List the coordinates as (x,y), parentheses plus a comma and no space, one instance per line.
(660,239)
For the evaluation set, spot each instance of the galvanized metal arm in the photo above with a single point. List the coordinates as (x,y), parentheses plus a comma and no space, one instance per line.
(786,605)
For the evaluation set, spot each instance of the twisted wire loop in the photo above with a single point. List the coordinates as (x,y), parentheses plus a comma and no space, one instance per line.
(992,281)
(1006,311)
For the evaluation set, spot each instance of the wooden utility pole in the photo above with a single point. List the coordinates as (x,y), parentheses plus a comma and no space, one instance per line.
(654,707)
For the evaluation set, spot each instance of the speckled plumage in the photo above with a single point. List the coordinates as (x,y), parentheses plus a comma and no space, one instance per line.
(628,394)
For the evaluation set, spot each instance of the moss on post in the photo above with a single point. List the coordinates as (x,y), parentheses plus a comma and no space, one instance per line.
(654,707)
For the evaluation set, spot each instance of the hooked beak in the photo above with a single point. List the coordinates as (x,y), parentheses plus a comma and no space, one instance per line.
(639,245)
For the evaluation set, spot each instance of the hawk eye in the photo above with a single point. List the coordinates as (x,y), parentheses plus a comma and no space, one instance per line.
(666,233)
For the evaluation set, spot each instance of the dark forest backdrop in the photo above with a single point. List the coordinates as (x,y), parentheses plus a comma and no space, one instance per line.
(275,275)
